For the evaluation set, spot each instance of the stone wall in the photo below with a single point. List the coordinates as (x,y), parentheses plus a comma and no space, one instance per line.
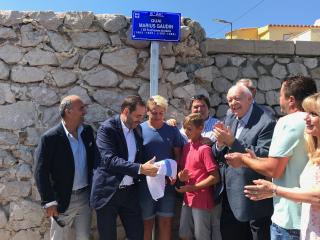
(45,56)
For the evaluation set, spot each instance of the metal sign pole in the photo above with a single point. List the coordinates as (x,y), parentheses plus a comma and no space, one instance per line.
(154,68)
(154,27)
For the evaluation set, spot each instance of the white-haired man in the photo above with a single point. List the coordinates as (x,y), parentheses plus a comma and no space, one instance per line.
(248,126)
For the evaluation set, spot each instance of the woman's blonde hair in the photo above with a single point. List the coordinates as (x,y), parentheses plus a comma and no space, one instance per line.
(312,104)
(157,100)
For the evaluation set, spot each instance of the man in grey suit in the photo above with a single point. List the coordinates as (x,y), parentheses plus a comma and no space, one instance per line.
(247,126)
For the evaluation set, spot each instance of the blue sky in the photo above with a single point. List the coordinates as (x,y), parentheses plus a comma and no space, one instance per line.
(243,13)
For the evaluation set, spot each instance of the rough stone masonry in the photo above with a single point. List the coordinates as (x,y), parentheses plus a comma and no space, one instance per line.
(45,56)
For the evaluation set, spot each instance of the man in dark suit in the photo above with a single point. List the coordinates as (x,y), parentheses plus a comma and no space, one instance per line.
(114,189)
(65,157)
(246,127)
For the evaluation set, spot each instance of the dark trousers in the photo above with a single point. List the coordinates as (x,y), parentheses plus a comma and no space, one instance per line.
(231,228)
(125,204)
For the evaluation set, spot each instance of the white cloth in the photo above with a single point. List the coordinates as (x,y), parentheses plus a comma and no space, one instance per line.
(157,184)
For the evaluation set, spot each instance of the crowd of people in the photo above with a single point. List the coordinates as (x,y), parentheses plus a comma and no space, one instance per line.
(248,177)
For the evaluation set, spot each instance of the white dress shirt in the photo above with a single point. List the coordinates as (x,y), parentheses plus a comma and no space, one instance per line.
(132,150)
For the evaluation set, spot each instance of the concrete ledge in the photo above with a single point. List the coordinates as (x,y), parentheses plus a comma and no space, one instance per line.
(274,47)
(304,48)
(212,46)
(237,46)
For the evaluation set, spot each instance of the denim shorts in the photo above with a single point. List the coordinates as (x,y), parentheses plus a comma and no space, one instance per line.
(163,207)
(279,233)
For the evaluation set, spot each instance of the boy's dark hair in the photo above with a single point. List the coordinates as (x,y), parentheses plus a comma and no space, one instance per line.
(194,119)
(299,87)
(131,103)
(200,97)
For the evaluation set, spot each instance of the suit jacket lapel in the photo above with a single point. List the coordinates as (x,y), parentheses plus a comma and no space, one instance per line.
(234,126)
(87,141)
(122,137)
(252,121)
(245,130)
(138,137)
(65,142)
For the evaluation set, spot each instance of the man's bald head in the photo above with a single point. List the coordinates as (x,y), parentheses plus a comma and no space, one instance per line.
(66,103)
(241,89)
(239,99)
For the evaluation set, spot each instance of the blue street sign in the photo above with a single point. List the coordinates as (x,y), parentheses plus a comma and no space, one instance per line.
(159,26)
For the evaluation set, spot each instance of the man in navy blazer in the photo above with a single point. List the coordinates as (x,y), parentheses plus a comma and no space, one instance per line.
(247,126)
(116,174)
(64,164)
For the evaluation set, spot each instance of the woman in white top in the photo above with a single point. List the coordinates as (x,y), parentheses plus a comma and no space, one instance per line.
(309,192)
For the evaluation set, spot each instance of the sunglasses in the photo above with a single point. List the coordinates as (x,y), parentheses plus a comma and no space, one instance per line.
(198,97)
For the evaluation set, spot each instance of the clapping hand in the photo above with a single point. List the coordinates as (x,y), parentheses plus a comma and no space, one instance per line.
(261,190)
(236,160)
(223,134)
(251,153)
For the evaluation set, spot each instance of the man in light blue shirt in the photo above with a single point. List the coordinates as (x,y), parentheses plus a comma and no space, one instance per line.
(63,172)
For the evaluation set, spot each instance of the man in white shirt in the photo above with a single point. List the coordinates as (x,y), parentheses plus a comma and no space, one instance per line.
(114,189)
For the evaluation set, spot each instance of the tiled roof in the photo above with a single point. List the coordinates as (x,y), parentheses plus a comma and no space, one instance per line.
(289,25)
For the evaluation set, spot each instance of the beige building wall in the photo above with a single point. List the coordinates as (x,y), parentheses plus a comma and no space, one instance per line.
(263,33)
(310,35)
(315,35)
(284,33)
(277,32)
(244,33)
(305,36)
